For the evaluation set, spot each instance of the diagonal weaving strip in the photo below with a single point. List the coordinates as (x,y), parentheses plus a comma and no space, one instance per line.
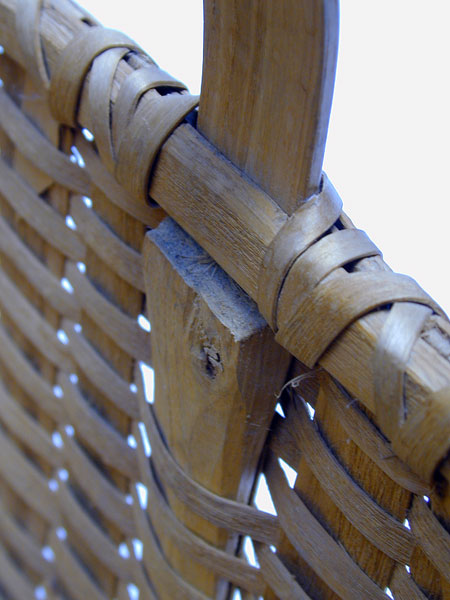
(367,516)
(132,155)
(220,511)
(164,521)
(35,146)
(315,545)
(28,13)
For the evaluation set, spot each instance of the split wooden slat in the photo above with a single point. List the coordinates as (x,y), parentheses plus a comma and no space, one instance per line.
(367,437)
(125,331)
(32,324)
(92,535)
(72,573)
(22,476)
(96,432)
(431,535)
(32,382)
(97,487)
(234,516)
(166,580)
(22,543)
(99,372)
(45,220)
(404,587)
(36,273)
(122,259)
(168,527)
(281,581)
(315,545)
(35,146)
(27,429)
(12,579)
(385,532)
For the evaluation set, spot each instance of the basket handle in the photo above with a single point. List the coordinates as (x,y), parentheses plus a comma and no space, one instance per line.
(268,79)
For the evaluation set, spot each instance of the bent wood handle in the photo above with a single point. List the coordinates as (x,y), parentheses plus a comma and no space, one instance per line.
(268,78)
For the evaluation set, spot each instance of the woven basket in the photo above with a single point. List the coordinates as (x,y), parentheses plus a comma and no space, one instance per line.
(283,357)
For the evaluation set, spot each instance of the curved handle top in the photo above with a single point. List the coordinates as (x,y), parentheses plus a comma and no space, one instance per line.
(268,79)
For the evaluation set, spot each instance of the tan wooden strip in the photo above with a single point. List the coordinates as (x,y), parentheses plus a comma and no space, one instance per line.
(74,63)
(328,559)
(308,224)
(194,184)
(124,330)
(268,78)
(26,480)
(367,437)
(386,493)
(101,492)
(31,381)
(336,303)
(27,32)
(32,324)
(72,573)
(36,273)
(283,442)
(94,538)
(404,587)
(166,524)
(36,147)
(22,543)
(101,79)
(166,580)
(377,525)
(141,580)
(278,577)
(122,592)
(150,76)
(44,219)
(161,114)
(122,259)
(13,580)
(391,497)
(96,432)
(100,373)
(27,429)
(327,254)
(231,515)
(400,332)
(433,538)
(101,178)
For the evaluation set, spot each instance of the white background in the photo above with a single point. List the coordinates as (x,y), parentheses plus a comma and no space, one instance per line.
(387,151)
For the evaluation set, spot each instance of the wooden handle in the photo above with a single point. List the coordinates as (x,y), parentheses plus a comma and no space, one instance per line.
(268,78)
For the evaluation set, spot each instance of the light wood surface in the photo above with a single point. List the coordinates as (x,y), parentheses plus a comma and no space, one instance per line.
(268,78)
(216,412)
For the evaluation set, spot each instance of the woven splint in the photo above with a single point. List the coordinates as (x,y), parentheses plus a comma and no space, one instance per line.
(179,332)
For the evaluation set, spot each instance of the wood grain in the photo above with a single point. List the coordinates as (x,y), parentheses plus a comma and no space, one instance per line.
(268,78)
(229,369)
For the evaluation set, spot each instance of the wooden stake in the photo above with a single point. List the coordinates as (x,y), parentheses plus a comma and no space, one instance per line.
(217,371)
